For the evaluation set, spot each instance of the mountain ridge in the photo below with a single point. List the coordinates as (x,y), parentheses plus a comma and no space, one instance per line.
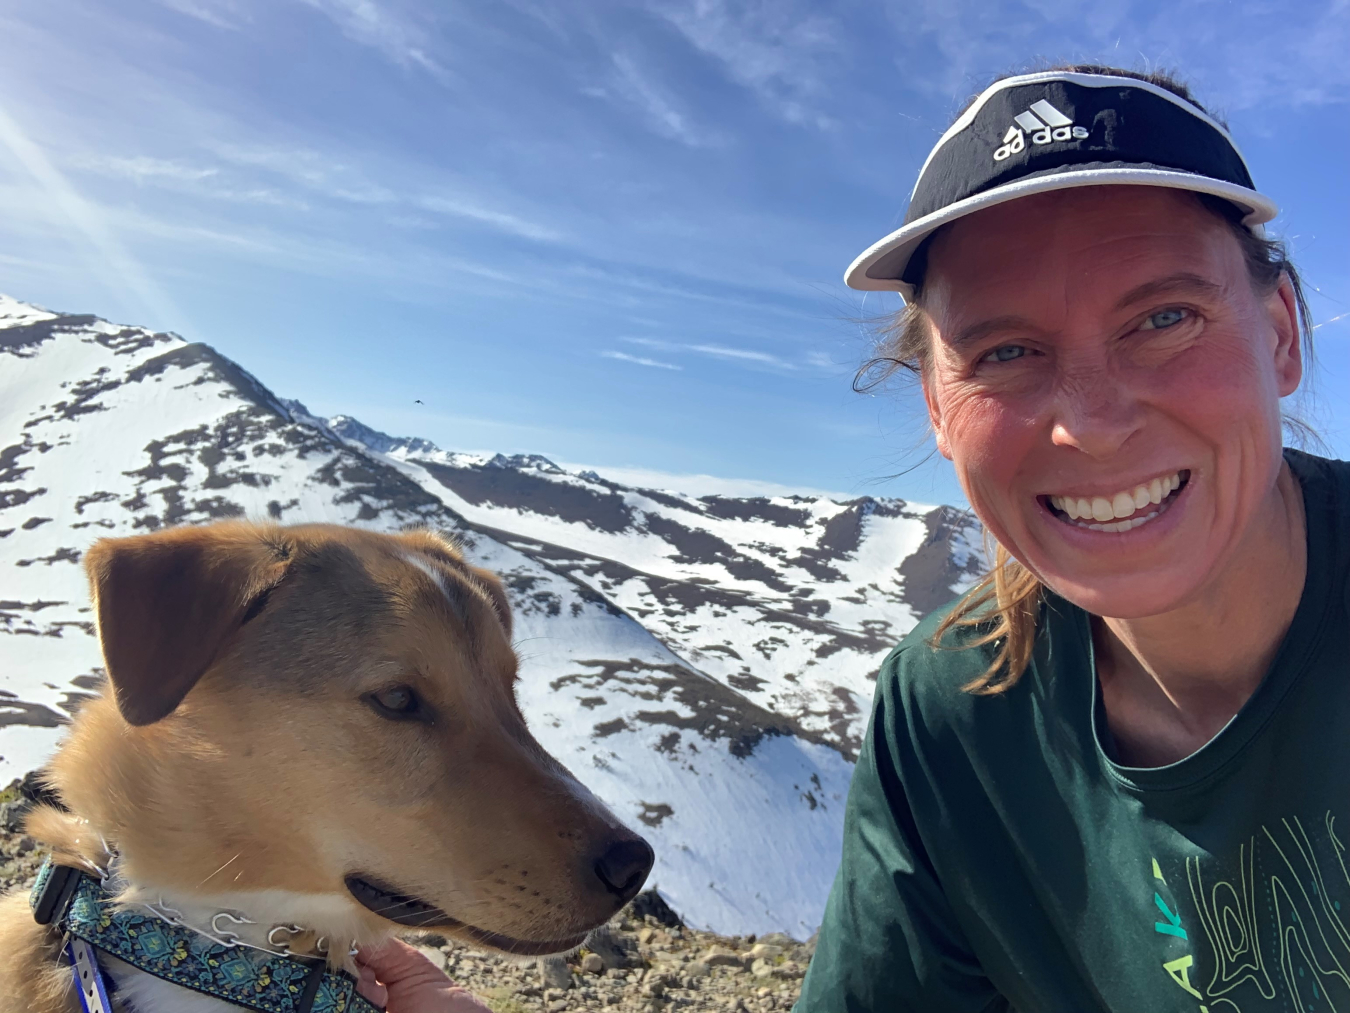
(702,663)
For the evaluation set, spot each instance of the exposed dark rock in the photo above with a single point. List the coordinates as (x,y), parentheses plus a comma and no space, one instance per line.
(713,711)
(9,456)
(18,497)
(930,573)
(650,904)
(350,429)
(94,497)
(14,711)
(697,546)
(746,682)
(653,814)
(21,339)
(536,462)
(223,370)
(665,499)
(65,555)
(757,508)
(510,487)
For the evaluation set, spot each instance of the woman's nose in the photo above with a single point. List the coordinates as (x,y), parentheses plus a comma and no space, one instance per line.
(1095,415)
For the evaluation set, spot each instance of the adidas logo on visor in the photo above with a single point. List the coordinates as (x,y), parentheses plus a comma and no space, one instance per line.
(1044,123)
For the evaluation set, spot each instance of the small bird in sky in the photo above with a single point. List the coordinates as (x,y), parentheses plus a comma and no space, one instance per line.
(417,401)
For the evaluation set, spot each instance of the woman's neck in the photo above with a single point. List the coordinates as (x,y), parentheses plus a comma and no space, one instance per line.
(1171,682)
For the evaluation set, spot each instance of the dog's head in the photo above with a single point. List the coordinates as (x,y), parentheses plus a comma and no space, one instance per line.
(329,714)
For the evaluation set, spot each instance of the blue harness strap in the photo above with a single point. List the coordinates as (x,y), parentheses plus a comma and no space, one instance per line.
(89,981)
(247,977)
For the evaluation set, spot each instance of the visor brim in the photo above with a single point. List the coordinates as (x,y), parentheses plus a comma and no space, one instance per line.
(880,267)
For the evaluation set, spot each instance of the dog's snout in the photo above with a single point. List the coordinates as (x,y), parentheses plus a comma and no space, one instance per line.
(624,866)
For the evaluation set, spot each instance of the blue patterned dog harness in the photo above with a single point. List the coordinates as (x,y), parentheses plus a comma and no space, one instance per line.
(74,902)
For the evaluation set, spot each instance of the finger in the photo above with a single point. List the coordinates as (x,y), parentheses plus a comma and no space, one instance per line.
(404,969)
(369,987)
(391,959)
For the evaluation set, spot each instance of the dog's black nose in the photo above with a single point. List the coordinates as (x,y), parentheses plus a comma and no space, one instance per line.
(624,866)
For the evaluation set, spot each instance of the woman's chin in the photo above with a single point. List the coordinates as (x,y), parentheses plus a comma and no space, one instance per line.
(1136,594)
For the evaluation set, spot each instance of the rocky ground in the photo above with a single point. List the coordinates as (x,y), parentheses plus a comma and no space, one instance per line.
(643,961)
(637,963)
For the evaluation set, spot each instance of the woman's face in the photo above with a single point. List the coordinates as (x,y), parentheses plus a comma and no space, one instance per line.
(1107,383)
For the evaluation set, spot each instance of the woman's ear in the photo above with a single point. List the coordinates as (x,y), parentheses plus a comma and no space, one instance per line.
(1282,306)
(935,413)
(168,602)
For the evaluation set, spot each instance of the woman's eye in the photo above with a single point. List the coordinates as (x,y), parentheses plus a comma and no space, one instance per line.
(398,703)
(1163,319)
(1006,353)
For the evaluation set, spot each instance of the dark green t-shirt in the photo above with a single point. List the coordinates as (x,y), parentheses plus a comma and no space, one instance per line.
(995,857)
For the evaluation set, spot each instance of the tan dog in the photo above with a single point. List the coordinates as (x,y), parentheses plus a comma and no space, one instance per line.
(314,726)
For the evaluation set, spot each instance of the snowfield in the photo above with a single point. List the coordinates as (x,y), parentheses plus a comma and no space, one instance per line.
(704,665)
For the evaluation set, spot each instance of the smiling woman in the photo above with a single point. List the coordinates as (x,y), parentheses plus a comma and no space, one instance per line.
(906,345)
(1107,778)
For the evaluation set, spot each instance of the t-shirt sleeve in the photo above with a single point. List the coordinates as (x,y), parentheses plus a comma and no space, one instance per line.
(889,940)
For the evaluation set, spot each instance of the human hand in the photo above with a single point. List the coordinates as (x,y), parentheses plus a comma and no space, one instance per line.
(399,978)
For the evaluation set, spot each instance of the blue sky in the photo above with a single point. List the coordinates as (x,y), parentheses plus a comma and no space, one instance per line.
(608,232)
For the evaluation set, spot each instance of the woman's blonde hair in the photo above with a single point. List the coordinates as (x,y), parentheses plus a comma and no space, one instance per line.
(1005,604)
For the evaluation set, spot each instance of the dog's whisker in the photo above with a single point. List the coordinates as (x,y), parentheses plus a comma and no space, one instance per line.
(222,869)
(526,640)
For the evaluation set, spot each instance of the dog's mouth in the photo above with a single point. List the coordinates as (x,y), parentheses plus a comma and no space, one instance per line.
(415,913)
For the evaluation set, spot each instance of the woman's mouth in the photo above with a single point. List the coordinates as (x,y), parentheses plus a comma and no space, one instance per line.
(1123,511)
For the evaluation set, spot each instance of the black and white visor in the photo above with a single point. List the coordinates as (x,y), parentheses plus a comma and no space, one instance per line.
(1055,130)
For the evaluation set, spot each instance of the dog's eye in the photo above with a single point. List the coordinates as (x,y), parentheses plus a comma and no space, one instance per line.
(398,703)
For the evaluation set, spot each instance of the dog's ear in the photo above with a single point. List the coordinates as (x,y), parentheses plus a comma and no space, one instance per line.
(167,602)
(493,586)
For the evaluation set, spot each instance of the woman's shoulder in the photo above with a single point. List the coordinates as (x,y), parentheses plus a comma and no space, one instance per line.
(1324,480)
(929,673)
(924,678)
(1326,500)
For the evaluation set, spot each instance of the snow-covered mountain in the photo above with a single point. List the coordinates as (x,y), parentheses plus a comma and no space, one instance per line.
(704,664)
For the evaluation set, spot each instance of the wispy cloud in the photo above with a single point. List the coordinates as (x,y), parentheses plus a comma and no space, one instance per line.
(142,167)
(220,13)
(726,352)
(743,354)
(639,360)
(204,181)
(316,172)
(1268,61)
(659,110)
(774,49)
(501,220)
(1277,62)
(110,257)
(819,360)
(384,30)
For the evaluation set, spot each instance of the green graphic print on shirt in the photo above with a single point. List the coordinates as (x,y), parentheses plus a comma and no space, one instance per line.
(1277,926)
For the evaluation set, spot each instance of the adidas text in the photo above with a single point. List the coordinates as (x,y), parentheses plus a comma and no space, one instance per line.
(1044,123)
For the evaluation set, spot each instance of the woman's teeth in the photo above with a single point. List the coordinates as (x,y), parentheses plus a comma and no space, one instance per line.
(1119,508)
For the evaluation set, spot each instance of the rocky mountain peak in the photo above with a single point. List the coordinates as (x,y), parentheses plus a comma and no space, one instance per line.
(704,664)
